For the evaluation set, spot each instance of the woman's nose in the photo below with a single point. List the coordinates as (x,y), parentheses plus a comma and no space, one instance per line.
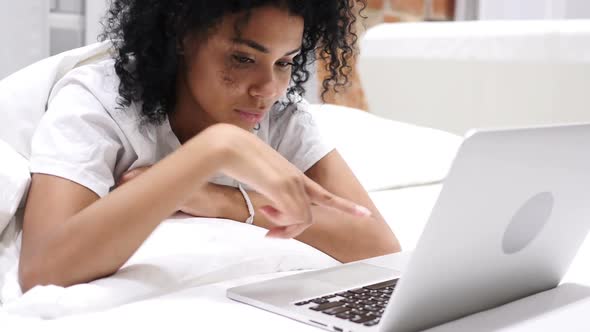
(266,86)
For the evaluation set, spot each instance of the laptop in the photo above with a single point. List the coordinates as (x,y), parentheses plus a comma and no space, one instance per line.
(511,215)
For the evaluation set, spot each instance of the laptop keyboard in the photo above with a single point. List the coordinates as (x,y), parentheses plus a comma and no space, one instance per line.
(363,305)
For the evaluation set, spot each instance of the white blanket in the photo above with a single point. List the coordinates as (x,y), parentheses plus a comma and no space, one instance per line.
(14,182)
(181,253)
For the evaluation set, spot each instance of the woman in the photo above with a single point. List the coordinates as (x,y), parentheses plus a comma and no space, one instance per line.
(199,97)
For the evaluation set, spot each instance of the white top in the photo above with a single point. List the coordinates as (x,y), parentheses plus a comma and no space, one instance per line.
(87,138)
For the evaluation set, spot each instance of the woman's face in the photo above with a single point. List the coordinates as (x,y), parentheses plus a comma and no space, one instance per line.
(236,78)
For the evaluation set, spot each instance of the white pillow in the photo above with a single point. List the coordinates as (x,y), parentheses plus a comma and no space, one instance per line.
(386,154)
(24,94)
(181,253)
(14,182)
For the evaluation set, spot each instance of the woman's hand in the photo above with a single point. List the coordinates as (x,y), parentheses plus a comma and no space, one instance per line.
(247,159)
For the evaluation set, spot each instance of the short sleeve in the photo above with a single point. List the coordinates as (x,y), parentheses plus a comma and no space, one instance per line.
(298,137)
(78,140)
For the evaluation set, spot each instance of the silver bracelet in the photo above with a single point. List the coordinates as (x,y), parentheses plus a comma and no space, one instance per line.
(250,219)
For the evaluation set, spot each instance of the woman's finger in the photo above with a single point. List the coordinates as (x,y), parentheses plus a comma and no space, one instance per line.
(277,232)
(321,196)
(277,217)
(289,197)
(288,227)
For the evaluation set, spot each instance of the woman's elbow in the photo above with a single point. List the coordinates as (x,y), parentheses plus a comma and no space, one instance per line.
(28,276)
(386,247)
(387,244)
(393,248)
(33,272)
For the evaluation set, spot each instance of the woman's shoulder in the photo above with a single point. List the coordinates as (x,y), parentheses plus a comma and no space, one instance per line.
(99,79)
(287,122)
(96,84)
(284,113)
(293,133)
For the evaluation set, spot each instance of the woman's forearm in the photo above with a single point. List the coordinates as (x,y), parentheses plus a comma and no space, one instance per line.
(348,238)
(98,240)
(343,236)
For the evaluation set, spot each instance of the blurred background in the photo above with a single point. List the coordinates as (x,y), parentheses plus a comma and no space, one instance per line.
(392,11)
(31,30)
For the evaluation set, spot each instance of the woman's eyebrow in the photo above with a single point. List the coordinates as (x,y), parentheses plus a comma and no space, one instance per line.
(258,47)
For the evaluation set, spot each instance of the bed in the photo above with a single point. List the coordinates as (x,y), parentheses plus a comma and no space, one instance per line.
(178,278)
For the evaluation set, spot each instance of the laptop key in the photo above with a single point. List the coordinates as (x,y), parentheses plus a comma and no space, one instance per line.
(362,318)
(335,310)
(372,322)
(327,305)
(358,291)
(344,315)
(319,301)
(302,303)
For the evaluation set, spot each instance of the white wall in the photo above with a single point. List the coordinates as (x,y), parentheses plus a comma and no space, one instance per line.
(24,34)
(466,10)
(533,9)
(578,9)
(66,23)
(95,10)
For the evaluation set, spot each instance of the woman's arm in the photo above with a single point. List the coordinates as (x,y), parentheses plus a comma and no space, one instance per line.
(71,236)
(342,236)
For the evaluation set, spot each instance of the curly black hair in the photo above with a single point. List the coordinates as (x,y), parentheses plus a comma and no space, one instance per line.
(146,34)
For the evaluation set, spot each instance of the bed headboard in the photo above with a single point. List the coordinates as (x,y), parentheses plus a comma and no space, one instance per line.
(459,75)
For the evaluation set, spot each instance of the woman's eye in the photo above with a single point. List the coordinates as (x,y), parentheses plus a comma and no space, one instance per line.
(242,59)
(284,64)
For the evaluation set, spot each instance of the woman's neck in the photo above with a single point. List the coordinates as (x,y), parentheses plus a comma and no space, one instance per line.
(188,118)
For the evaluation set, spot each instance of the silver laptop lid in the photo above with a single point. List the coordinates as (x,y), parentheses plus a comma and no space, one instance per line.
(513,211)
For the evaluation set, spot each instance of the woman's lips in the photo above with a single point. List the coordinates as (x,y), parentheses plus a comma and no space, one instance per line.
(250,117)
